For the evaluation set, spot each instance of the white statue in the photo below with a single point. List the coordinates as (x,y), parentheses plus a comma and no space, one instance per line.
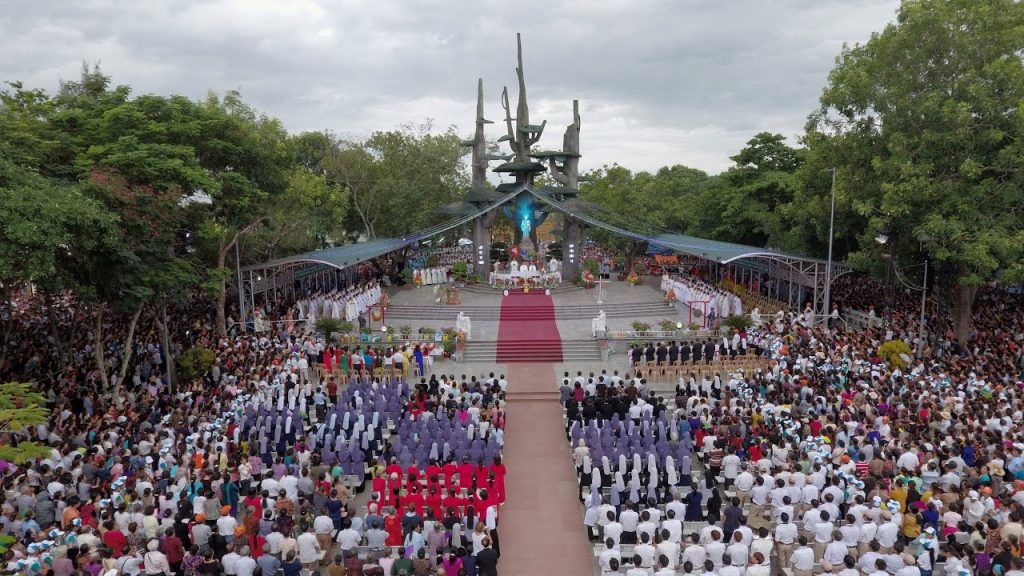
(755,317)
(533,267)
(463,324)
(513,266)
(599,324)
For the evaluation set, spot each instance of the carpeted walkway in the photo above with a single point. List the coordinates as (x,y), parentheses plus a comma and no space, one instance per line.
(527,331)
(541,526)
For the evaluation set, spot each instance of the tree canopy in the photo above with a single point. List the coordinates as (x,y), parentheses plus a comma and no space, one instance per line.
(924,121)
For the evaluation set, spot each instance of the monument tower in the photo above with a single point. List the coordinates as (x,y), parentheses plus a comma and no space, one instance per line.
(524,165)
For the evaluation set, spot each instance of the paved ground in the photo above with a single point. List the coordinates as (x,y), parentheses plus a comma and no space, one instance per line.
(615,292)
(541,524)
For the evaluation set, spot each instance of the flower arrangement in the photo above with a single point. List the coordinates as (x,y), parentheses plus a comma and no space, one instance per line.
(417,279)
(896,352)
(639,326)
(633,278)
(670,296)
(588,278)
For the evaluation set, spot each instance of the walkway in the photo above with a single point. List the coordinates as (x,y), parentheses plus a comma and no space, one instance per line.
(528,331)
(541,524)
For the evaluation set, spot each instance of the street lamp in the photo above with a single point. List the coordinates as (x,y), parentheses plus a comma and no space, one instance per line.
(882,238)
(831,233)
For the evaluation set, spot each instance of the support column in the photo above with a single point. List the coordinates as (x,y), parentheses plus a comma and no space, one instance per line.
(571,250)
(481,248)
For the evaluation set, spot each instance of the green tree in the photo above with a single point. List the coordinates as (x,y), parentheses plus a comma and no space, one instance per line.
(743,204)
(644,203)
(20,408)
(247,159)
(309,215)
(925,119)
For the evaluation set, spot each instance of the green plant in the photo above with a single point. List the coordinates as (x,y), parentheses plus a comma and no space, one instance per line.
(326,326)
(738,322)
(695,326)
(427,331)
(21,407)
(365,330)
(593,265)
(407,275)
(667,325)
(6,542)
(345,327)
(449,346)
(639,326)
(893,352)
(460,270)
(405,330)
(194,362)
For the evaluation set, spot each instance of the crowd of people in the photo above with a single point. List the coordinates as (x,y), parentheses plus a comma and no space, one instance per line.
(834,459)
(288,456)
(257,465)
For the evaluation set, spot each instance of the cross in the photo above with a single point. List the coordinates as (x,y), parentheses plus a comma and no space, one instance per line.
(600,289)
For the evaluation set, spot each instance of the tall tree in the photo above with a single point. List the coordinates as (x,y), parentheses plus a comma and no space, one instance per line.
(396,180)
(743,203)
(926,118)
(247,158)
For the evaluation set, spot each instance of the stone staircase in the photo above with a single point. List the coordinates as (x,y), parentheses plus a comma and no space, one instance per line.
(478,313)
(531,351)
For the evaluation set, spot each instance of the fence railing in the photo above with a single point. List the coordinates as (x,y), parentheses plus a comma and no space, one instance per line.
(658,334)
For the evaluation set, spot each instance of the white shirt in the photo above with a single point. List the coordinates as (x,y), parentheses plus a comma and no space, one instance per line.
(670,550)
(348,538)
(230,563)
(245,566)
(695,554)
(803,558)
(786,533)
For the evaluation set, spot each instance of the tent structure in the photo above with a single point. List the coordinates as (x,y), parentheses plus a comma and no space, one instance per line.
(796,269)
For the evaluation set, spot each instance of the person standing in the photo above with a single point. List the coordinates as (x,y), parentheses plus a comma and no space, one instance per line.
(487,560)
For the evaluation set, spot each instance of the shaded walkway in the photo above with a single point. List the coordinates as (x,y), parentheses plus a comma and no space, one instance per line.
(541,525)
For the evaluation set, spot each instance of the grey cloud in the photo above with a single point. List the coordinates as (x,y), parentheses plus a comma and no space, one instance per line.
(660,81)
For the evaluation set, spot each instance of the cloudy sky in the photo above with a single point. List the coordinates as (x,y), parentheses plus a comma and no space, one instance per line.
(660,82)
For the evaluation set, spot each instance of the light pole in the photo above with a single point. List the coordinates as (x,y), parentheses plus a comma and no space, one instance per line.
(924,301)
(891,269)
(831,233)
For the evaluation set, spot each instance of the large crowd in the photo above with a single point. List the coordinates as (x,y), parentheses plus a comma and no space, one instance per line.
(832,460)
(293,455)
(256,466)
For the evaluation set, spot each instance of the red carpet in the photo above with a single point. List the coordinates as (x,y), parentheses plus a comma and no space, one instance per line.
(527,331)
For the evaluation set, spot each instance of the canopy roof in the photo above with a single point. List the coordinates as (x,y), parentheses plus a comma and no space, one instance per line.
(721,252)
(352,254)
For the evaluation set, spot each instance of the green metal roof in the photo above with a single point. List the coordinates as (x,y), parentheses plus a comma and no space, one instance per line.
(721,252)
(352,254)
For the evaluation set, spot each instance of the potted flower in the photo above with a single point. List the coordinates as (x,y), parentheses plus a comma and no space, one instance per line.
(406,331)
(640,327)
(667,325)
